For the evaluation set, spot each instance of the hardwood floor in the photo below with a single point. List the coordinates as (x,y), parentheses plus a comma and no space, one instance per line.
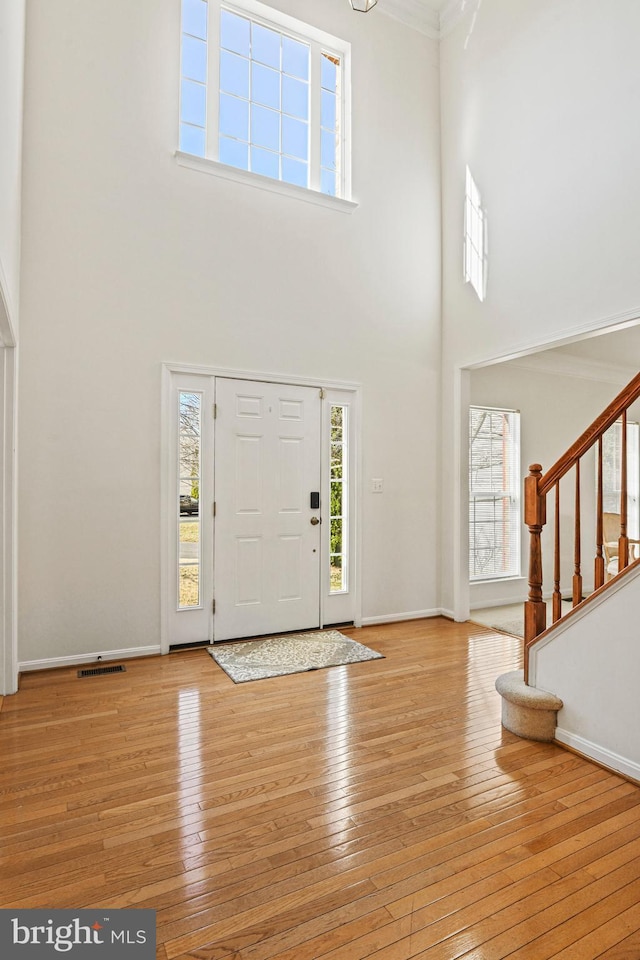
(377,810)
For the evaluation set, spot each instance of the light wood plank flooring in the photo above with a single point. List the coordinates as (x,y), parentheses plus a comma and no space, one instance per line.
(371,811)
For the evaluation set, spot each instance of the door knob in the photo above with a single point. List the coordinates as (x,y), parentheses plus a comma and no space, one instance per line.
(315,521)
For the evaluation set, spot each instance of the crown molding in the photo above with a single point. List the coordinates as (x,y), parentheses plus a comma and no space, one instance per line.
(413,13)
(571,365)
(7,314)
(452,14)
(421,16)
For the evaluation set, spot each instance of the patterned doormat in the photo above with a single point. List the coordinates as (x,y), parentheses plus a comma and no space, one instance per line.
(294,653)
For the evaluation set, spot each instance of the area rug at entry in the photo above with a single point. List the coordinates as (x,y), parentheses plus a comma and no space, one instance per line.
(294,653)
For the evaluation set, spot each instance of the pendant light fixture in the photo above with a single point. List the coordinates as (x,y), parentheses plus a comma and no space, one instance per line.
(363,6)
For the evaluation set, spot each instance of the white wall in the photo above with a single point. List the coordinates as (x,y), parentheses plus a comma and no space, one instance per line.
(11,67)
(12,17)
(555,409)
(535,99)
(8,565)
(592,664)
(130,260)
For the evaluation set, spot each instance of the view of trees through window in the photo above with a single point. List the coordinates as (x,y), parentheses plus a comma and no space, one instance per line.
(189,529)
(494,493)
(338,579)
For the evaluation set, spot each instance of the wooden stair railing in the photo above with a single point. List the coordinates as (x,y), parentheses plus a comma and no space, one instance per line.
(536,487)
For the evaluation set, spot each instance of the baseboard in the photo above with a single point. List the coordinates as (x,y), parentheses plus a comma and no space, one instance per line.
(606,758)
(510,602)
(486,604)
(397,617)
(81,658)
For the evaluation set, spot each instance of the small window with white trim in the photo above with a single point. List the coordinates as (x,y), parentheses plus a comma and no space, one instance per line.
(494,493)
(475,238)
(265,93)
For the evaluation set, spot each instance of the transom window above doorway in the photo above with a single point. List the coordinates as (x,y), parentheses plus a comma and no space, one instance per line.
(265,93)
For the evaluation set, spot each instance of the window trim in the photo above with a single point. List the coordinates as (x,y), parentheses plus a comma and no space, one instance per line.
(217,169)
(283,23)
(343,606)
(345,499)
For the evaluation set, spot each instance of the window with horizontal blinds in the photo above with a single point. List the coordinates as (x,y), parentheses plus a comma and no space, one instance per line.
(612,473)
(494,493)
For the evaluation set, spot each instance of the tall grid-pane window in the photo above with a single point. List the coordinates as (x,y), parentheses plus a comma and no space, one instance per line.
(475,232)
(494,493)
(193,80)
(264,100)
(189,519)
(279,107)
(339,499)
(330,100)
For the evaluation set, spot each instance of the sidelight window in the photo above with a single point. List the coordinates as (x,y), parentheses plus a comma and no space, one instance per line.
(339,499)
(188,506)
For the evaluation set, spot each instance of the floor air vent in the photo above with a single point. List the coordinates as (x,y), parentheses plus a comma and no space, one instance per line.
(99,671)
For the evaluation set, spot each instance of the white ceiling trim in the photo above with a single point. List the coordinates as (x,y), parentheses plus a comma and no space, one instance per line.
(414,14)
(451,14)
(571,365)
(419,15)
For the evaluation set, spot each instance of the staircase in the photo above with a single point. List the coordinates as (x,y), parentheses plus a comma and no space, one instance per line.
(579,681)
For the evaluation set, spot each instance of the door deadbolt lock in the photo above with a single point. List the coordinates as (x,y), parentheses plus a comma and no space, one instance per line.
(315,521)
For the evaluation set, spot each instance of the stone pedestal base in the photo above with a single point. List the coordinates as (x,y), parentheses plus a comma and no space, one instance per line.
(527,712)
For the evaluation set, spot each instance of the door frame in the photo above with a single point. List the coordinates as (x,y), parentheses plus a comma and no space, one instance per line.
(332,390)
(456,398)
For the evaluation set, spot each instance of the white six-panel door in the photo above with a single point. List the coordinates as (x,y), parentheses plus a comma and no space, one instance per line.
(267,535)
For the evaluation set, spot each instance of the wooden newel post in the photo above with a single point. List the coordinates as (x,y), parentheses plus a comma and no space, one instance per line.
(535,517)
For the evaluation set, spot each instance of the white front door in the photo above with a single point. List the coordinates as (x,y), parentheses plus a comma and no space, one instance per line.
(267,532)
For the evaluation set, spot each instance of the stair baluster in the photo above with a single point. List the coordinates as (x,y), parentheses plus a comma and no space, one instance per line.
(557,596)
(535,516)
(598,569)
(577,575)
(623,542)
